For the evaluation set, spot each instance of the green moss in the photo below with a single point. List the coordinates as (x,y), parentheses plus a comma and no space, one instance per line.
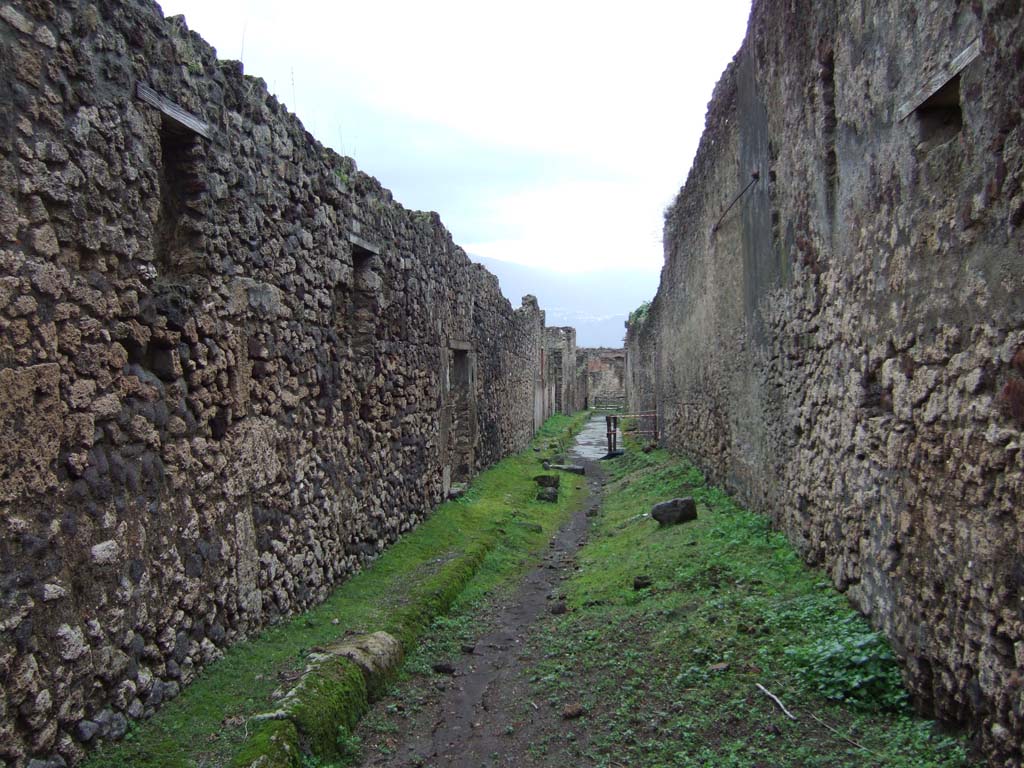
(435,595)
(276,741)
(413,582)
(335,696)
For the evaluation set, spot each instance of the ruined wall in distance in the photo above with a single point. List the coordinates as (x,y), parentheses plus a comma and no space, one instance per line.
(232,369)
(560,356)
(844,348)
(604,376)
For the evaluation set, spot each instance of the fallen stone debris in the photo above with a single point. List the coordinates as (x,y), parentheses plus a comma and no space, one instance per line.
(675,511)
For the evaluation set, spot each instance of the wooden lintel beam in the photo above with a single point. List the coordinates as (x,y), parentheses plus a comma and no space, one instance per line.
(946,73)
(171,111)
(364,245)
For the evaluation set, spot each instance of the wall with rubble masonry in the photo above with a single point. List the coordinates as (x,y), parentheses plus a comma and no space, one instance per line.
(232,369)
(603,372)
(844,347)
(561,377)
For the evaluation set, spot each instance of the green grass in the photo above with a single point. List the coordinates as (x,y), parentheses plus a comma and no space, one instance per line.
(489,532)
(498,576)
(668,674)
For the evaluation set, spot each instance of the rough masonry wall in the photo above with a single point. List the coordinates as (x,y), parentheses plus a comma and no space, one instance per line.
(231,370)
(641,365)
(845,349)
(560,356)
(604,376)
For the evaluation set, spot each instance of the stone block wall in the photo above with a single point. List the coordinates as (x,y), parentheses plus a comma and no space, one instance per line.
(232,369)
(844,347)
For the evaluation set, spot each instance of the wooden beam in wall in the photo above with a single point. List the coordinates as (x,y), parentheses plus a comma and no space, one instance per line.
(171,111)
(946,73)
(363,245)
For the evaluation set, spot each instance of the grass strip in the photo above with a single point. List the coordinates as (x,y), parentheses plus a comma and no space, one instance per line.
(493,526)
(667,673)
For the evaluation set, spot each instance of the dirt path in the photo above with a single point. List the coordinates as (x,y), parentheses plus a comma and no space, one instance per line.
(479,713)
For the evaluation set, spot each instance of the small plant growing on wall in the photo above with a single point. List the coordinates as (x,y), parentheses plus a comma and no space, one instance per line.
(639,315)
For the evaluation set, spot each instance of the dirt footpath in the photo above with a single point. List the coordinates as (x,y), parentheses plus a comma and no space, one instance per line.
(476,710)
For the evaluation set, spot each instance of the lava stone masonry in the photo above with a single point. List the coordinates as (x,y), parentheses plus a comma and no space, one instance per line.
(603,371)
(843,347)
(232,368)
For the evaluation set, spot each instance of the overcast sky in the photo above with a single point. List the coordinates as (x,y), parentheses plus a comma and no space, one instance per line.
(546,133)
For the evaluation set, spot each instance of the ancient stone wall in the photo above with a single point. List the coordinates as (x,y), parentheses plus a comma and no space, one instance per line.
(540,393)
(580,385)
(232,368)
(641,364)
(844,346)
(560,356)
(604,376)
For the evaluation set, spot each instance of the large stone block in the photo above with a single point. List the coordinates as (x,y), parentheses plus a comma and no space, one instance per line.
(675,511)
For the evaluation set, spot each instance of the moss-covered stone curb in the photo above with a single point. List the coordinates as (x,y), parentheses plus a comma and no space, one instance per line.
(275,744)
(340,683)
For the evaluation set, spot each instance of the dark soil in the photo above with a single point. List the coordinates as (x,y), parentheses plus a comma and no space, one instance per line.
(477,711)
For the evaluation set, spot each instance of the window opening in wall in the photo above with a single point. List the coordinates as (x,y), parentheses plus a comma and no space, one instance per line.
(182,185)
(360,260)
(363,304)
(174,238)
(460,369)
(939,117)
(360,327)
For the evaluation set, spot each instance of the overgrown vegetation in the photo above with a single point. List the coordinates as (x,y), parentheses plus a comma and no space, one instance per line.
(639,315)
(847,662)
(667,674)
(489,532)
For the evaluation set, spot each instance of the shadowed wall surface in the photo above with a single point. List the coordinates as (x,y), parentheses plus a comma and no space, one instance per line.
(844,346)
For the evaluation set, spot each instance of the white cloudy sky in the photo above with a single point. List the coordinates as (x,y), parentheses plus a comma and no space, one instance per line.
(547,133)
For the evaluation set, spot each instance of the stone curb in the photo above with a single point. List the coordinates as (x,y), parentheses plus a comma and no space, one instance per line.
(341,681)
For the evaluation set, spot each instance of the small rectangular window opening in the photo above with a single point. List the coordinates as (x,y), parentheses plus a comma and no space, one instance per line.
(460,370)
(175,149)
(939,118)
(363,304)
(361,264)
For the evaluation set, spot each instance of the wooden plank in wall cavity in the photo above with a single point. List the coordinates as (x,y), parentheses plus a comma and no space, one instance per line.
(362,244)
(946,73)
(180,117)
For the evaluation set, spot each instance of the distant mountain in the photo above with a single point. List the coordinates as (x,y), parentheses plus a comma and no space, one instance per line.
(596,304)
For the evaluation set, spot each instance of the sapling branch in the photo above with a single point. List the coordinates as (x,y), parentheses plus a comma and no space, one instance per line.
(775,698)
